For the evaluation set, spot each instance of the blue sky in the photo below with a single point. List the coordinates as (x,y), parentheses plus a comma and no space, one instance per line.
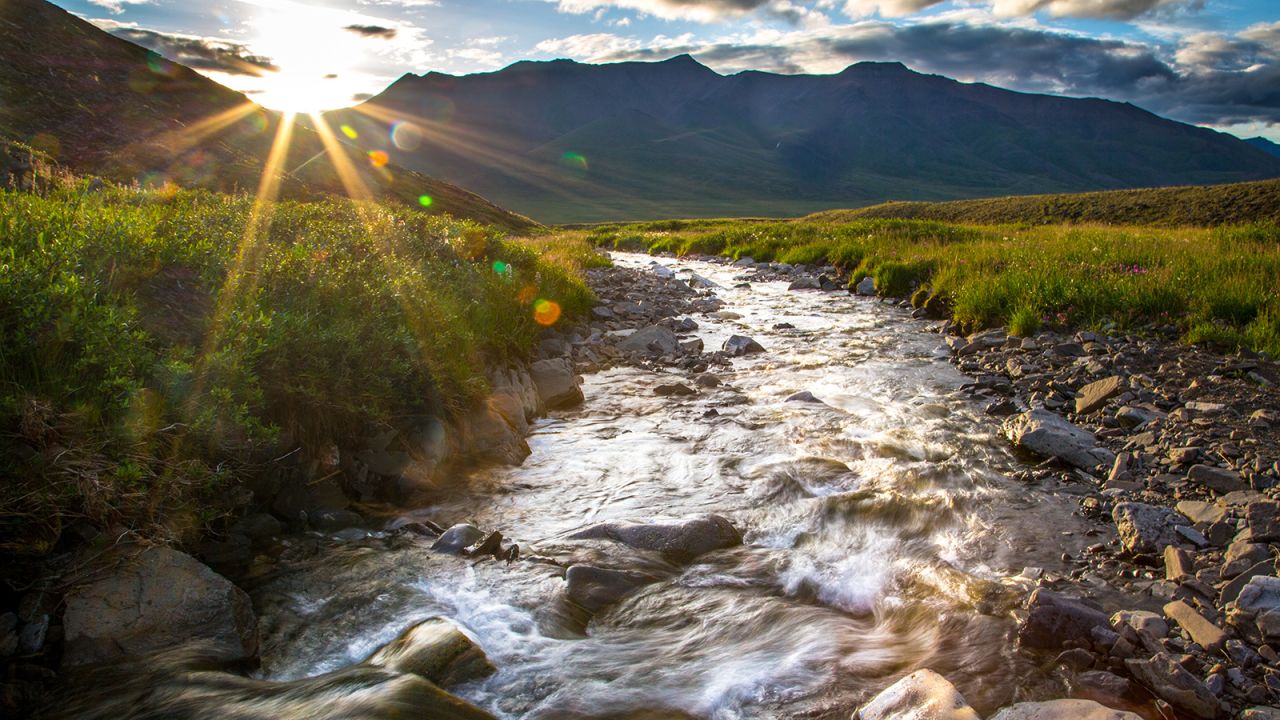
(1212,62)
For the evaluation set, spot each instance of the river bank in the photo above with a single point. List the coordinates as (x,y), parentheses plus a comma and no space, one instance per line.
(773,502)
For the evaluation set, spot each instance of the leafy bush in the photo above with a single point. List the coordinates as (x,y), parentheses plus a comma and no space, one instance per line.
(159,336)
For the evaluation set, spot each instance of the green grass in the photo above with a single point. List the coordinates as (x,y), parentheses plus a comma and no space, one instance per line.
(151,359)
(1196,206)
(1217,285)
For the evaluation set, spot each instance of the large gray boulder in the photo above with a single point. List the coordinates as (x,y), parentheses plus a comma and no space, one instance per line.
(683,540)
(1045,433)
(1147,529)
(1054,619)
(738,345)
(1062,710)
(557,385)
(437,650)
(654,339)
(156,600)
(922,695)
(1256,614)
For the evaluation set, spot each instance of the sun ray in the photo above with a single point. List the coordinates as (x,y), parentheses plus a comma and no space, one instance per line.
(185,138)
(242,277)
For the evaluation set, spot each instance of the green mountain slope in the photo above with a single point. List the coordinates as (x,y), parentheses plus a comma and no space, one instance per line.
(675,139)
(99,104)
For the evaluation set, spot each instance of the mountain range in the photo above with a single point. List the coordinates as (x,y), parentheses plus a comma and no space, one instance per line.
(564,141)
(100,105)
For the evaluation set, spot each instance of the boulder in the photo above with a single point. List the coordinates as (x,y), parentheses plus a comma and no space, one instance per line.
(803,396)
(1242,555)
(594,588)
(1143,621)
(1096,394)
(662,271)
(1053,620)
(1199,511)
(1171,682)
(738,345)
(155,600)
(1045,433)
(1203,632)
(1100,684)
(805,283)
(1256,614)
(458,538)
(437,650)
(865,286)
(488,436)
(922,695)
(1264,519)
(557,385)
(682,540)
(1146,529)
(1062,710)
(654,339)
(1217,479)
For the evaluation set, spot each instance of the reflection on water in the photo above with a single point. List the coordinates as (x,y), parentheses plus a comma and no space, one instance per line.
(882,535)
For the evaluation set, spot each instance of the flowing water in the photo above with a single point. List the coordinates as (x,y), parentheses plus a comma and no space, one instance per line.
(883,533)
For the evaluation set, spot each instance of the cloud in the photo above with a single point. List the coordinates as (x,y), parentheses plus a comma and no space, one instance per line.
(195,52)
(706,10)
(116,7)
(372,31)
(1205,78)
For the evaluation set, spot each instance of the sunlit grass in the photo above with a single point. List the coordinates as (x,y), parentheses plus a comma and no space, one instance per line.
(1217,285)
(169,338)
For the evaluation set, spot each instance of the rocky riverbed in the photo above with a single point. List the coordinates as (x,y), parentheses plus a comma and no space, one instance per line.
(777,500)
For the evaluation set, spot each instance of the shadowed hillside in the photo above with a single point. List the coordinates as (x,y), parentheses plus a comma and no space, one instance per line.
(99,104)
(570,142)
(1232,204)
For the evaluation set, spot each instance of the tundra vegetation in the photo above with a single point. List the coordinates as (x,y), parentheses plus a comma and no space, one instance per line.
(157,348)
(1216,285)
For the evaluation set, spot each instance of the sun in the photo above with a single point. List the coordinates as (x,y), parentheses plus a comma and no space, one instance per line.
(317,59)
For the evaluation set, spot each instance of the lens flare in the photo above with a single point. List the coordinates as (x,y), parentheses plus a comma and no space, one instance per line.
(500,267)
(575,161)
(379,158)
(406,136)
(527,294)
(546,312)
(425,200)
(349,131)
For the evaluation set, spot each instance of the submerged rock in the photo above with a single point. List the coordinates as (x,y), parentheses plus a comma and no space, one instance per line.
(594,588)
(437,650)
(1062,710)
(1045,433)
(682,540)
(458,538)
(187,685)
(153,601)
(922,695)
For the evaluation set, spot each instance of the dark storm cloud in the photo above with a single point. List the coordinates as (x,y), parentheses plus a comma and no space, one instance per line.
(199,53)
(372,31)
(1208,78)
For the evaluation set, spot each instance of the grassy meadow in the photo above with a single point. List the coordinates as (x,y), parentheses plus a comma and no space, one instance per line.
(1219,285)
(158,347)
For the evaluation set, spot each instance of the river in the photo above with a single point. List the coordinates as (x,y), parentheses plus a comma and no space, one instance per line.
(884,531)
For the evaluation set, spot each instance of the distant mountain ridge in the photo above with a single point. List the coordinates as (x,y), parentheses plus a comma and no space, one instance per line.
(99,104)
(569,142)
(1265,145)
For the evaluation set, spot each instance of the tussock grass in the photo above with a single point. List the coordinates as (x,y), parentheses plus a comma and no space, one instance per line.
(150,358)
(1217,285)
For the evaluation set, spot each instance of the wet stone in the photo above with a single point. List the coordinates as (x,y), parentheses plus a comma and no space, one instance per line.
(458,538)
(922,695)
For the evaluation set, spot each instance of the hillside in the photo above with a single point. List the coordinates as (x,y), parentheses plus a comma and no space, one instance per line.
(102,105)
(1206,206)
(567,142)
